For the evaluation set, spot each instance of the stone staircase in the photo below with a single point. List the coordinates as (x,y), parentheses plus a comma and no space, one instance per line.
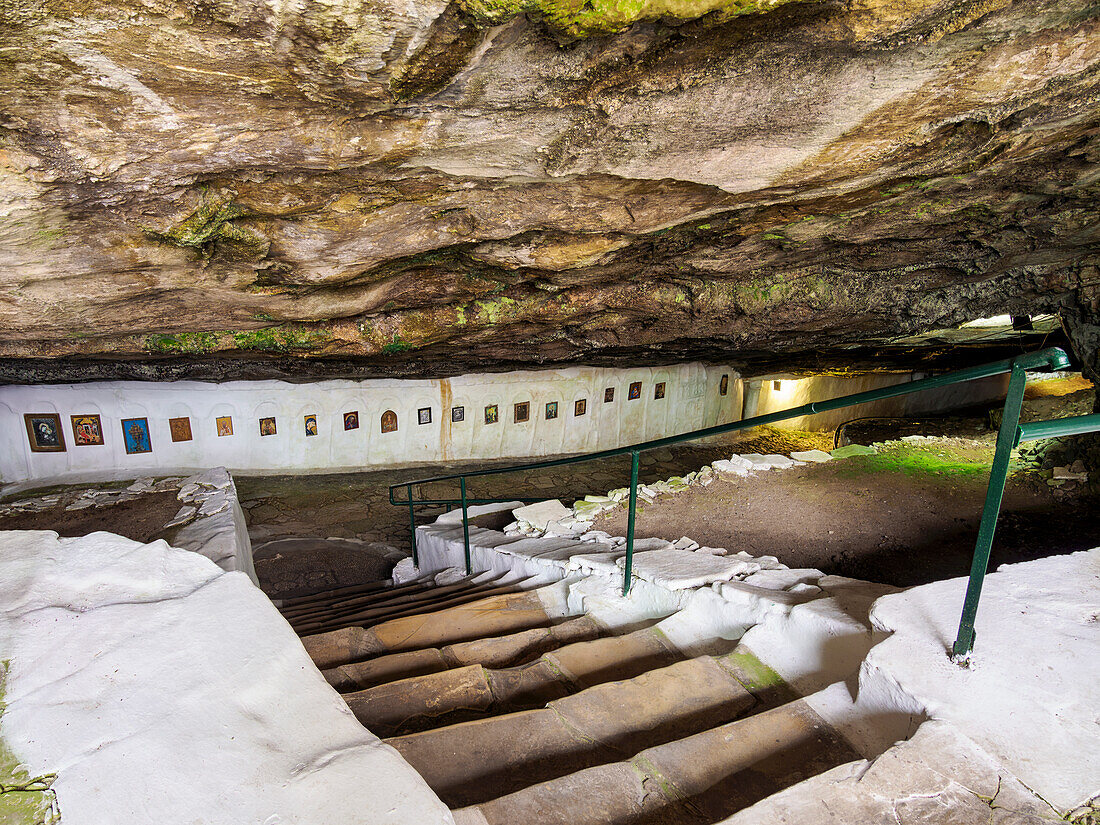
(517,708)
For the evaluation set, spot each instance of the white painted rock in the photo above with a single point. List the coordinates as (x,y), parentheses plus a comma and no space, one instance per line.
(815,456)
(540,514)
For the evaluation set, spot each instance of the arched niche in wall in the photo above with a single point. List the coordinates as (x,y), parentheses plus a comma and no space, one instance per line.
(183,444)
(659,394)
(518,436)
(422,440)
(461,431)
(552,416)
(348,446)
(389,430)
(632,411)
(488,434)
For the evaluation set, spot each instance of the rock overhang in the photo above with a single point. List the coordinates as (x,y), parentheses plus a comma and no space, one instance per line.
(250,192)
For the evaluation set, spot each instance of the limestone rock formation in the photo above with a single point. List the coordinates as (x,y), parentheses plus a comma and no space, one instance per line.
(210,188)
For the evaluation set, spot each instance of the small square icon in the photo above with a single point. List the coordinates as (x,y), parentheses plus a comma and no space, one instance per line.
(551,410)
(311,425)
(224,425)
(351,420)
(180,428)
(609,395)
(580,406)
(267,426)
(458,414)
(491,414)
(635,391)
(424,415)
(659,390)
(522,412)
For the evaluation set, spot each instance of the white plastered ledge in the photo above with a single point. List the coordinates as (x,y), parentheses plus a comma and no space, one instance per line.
(162,689)
(1031,697)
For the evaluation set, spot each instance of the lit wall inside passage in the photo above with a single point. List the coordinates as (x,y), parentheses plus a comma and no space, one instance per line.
(274,426)
(775,393)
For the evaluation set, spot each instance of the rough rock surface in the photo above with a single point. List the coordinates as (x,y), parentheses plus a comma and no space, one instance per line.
(205,187)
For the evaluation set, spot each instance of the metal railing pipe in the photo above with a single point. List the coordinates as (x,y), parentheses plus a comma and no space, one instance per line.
(998,475)
(628,564)
(1057,427)
(465,526)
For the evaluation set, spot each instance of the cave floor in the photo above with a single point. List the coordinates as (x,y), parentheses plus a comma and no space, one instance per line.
(356,505)
(906,516)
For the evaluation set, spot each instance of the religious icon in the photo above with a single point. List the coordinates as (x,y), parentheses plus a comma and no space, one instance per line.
(44,432)
(135,434)
(635,391)
(580,406)
(522,412)
(551,410)
(311,425)
(659,390)
(609,395)
(458,413)
(724,384)
(86,430)
(351,420)
(491,414)
(389,421)
(267,426)
(225,425)
(424,415)
(180,428)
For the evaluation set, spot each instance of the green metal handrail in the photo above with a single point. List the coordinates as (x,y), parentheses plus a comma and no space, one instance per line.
(1052,358)
(1007,438)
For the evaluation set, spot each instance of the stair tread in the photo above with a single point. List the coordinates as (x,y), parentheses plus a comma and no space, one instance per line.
(487,616)
(609,722)
(698,779)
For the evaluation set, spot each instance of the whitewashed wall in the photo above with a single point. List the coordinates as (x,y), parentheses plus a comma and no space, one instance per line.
(794,392)
(692,400)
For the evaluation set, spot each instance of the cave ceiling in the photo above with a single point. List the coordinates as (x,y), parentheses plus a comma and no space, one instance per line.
(251,188)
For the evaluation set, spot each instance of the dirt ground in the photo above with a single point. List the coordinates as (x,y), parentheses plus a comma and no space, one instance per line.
(141,520)
(906,516)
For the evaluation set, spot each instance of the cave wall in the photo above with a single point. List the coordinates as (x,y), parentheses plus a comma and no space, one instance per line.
(795,391)
(692,400)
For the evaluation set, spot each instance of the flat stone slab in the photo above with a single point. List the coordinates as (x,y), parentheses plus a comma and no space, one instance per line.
(814,456)
(1031,697)
(540,514)
(938,776)
(683,569)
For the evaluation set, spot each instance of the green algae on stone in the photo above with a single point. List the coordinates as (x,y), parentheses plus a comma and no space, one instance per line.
(576,19)
(211,223)
(24,799)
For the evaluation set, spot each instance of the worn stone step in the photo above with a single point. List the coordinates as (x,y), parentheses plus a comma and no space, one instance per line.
(375,597)
(490,616)
(426,599)
(410,705)
(480,760)
(699,779)
(373,616)
(495,652)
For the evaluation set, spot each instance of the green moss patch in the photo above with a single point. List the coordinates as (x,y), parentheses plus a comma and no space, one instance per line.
(576,19)
(912,460)
(24,799)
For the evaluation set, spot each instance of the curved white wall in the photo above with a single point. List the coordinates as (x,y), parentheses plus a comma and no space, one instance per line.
(692,400)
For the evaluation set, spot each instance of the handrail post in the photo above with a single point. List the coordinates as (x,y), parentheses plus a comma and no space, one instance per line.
(465,527)
(998,475)
(627,567)
(412,527)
